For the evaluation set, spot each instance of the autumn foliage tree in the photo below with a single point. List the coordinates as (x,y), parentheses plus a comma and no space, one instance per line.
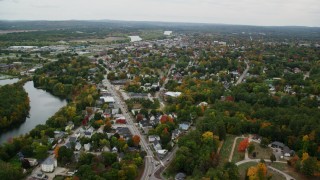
(56,151)
(257,172)
(165,118)
(139,117)
(243,145)
(136,140)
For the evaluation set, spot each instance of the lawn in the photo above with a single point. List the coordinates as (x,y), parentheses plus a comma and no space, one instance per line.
(244,167)
(226,149)
(262,153)
(280,166)
(59,178)
(289,170)
(237,156)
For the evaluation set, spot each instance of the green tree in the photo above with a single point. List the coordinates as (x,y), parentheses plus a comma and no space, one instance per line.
(251,148)
(40,151)
(109,158)
(65,154)
(309,166)
(273,158)
(10,172)
(231,171)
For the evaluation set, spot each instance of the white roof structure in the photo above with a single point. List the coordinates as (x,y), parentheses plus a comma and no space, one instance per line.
(173,94)
(167,33)
(163,151)
(108,99)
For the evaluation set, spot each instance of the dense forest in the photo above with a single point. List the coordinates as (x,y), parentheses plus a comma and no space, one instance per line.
(15,109)
(65,77)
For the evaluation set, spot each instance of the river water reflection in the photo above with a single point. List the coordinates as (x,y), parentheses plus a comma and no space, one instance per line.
(42,106)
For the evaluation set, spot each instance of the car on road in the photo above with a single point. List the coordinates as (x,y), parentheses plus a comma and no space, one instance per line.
(40,175)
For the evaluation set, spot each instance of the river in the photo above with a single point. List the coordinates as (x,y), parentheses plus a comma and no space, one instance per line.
(8,81)
(42,106)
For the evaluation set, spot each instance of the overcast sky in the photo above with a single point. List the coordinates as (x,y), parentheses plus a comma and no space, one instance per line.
(250,12)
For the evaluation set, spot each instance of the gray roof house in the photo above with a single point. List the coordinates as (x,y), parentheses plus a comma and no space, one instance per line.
(49,165)
(180,176)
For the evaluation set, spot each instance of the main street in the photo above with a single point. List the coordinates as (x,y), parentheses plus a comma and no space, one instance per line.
(149,166)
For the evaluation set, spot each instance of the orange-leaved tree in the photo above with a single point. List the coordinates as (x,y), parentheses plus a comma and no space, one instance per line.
(56,151)
(136,140)
(243,145)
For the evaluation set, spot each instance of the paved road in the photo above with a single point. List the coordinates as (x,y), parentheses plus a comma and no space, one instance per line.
(149,167)
(287,176)
(247,159)
(166,161)
(163,85)
(233,147)
(243,75)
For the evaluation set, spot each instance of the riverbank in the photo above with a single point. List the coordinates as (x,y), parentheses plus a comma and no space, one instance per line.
(14,106)
(43,105)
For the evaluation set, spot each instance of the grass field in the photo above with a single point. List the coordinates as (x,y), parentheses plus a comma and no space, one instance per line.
(289,170)
(237,156)
(244,167)
(226,149)
(262,153)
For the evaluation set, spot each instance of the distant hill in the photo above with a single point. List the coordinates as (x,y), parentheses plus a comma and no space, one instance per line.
(182,27)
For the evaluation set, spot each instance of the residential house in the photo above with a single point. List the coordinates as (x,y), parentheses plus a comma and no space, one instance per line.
(68,145)
(70,126)
(49,165)
(73,139)
(124,132)
(58,134)
(180,176)
(32,162)
(138,95)
(286,151)
(175,134)
(184,126)
(156,145)
(78,146)
(145,123)
(105,149)
(87,134)
(153,138)
(172,94)
(162,153)
(115,150)
(108,99)
(87,147)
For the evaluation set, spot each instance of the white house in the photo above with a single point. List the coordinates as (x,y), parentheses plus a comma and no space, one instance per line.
(184,126)
(49,165)
(108,99)
(172,94)
(70,126)
(153,138)
(78,146)
(87,147)
(115,150)
(32,162)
